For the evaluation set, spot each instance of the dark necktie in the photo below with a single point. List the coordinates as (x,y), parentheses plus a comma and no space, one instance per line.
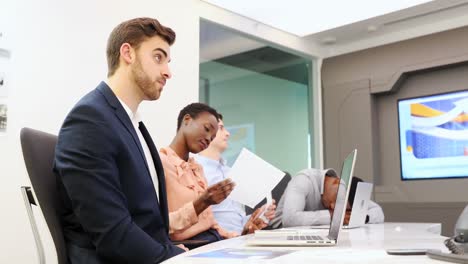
(162,199)
(153,152)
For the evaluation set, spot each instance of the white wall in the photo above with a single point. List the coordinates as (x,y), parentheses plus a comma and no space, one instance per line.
(258,31)
(58,55)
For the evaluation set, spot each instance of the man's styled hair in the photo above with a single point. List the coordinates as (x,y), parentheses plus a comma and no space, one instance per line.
(134,32)
(194,110)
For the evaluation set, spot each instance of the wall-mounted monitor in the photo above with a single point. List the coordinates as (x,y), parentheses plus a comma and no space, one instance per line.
(433,134)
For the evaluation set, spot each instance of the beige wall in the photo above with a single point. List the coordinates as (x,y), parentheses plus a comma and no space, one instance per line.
(360,93)
(380,64)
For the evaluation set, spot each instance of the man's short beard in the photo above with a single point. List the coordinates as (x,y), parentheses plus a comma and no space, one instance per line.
(144,82)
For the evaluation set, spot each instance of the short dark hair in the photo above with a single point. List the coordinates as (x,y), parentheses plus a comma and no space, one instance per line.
(194,109)
(352,190)
(134,32)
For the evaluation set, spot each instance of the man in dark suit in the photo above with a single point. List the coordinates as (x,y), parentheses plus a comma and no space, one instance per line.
(109,172)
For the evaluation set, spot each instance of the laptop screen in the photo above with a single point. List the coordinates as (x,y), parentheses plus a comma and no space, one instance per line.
(342,195)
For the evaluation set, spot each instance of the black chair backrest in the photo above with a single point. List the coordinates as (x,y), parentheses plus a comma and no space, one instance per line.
(279,189)
(38,152)
(276,193)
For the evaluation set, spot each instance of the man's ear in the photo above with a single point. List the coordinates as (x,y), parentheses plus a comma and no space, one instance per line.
(127,53)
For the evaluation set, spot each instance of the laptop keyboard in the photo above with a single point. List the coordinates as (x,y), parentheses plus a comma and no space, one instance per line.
(307,237)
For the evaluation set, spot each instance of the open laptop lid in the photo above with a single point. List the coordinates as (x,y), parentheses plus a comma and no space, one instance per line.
(342,195)
(360,204)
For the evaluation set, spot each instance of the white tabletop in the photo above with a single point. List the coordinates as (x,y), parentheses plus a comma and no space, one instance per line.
(360,245)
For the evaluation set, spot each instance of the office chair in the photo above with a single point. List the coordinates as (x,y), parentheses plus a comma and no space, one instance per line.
(38,153)
(279,189)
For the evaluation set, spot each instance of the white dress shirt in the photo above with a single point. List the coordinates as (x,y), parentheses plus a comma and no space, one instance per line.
(136,118)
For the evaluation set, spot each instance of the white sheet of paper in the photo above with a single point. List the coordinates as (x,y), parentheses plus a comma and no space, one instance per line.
(254,178)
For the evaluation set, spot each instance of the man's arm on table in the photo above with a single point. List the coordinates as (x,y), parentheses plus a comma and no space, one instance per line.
(294,205)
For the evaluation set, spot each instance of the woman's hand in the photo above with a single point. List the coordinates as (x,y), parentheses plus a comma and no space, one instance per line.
(215,194)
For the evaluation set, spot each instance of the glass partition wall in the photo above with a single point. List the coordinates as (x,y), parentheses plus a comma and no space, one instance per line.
(265,98)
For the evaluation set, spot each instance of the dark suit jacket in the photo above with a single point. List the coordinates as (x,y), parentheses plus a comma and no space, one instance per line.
(111,205)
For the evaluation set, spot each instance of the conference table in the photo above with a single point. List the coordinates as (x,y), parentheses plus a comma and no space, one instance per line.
(365,244)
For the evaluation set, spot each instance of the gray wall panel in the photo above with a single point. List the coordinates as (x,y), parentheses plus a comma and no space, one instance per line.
(421,66)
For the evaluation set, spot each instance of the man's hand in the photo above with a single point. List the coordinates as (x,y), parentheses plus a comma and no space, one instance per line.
(254,223)
(182,247)
(215,194)
(271,210)
(347,213)
(347,217)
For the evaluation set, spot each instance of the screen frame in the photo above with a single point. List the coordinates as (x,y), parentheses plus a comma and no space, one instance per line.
(399,137)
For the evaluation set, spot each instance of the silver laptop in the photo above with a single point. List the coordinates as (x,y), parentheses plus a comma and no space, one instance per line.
(308,237)
(360,205)
(359,209)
